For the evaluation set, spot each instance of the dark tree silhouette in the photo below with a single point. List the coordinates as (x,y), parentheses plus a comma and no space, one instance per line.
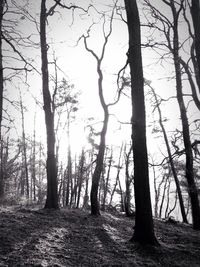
(195,11)
(52,191)
(144,229)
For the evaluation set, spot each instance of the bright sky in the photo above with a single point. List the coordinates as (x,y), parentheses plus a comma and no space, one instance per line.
(80,68)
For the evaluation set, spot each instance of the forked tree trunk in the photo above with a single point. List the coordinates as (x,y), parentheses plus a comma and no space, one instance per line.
(144,229)
(52,191)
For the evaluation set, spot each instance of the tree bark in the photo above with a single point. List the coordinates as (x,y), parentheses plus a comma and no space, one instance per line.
(144,229)
(52,191)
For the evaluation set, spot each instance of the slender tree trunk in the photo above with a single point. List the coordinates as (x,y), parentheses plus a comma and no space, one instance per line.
(181,203)
(117,176)
(52,190)
(24,149)
(144,229)
(122,197)
(195,11)
(127,201)
(163,197)
(80,177)
(168,197)
(107,181)
(185,126)
(34,163)
(1,64)
(40,175)
(1,101)
(175,204)
(68,177)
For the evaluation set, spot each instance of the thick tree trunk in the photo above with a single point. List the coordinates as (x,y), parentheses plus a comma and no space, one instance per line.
(144,229)
(52,191)
(192,189)
(195,11)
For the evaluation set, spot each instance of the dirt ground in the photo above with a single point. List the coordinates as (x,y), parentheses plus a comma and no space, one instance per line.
(63,238)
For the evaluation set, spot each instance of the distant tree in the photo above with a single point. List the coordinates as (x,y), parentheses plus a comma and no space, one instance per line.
(106,180)
(24,153)
(144,229)
(128,180)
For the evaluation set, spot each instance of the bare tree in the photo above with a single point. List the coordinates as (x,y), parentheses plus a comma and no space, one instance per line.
(171,162)
(185,125)
(52,190)
(95,209)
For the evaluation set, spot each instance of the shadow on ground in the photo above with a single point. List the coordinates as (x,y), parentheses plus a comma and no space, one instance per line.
(74,238)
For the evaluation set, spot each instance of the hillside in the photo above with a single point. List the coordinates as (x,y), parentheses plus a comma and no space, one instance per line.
(74,238)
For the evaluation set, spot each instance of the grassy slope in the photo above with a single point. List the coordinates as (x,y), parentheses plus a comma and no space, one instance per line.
(74,238)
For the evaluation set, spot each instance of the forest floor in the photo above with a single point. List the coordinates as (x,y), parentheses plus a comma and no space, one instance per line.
(30,237)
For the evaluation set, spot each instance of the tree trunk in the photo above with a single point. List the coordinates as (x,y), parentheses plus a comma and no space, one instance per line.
(193,193)
(68,177)
(1,64)
(52,191)
(144,229)
(24,150)
(163,196)
(80,177)
(127,200)
(1,101)
(95,209)
(195,11)
(107,182)
(181,203)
